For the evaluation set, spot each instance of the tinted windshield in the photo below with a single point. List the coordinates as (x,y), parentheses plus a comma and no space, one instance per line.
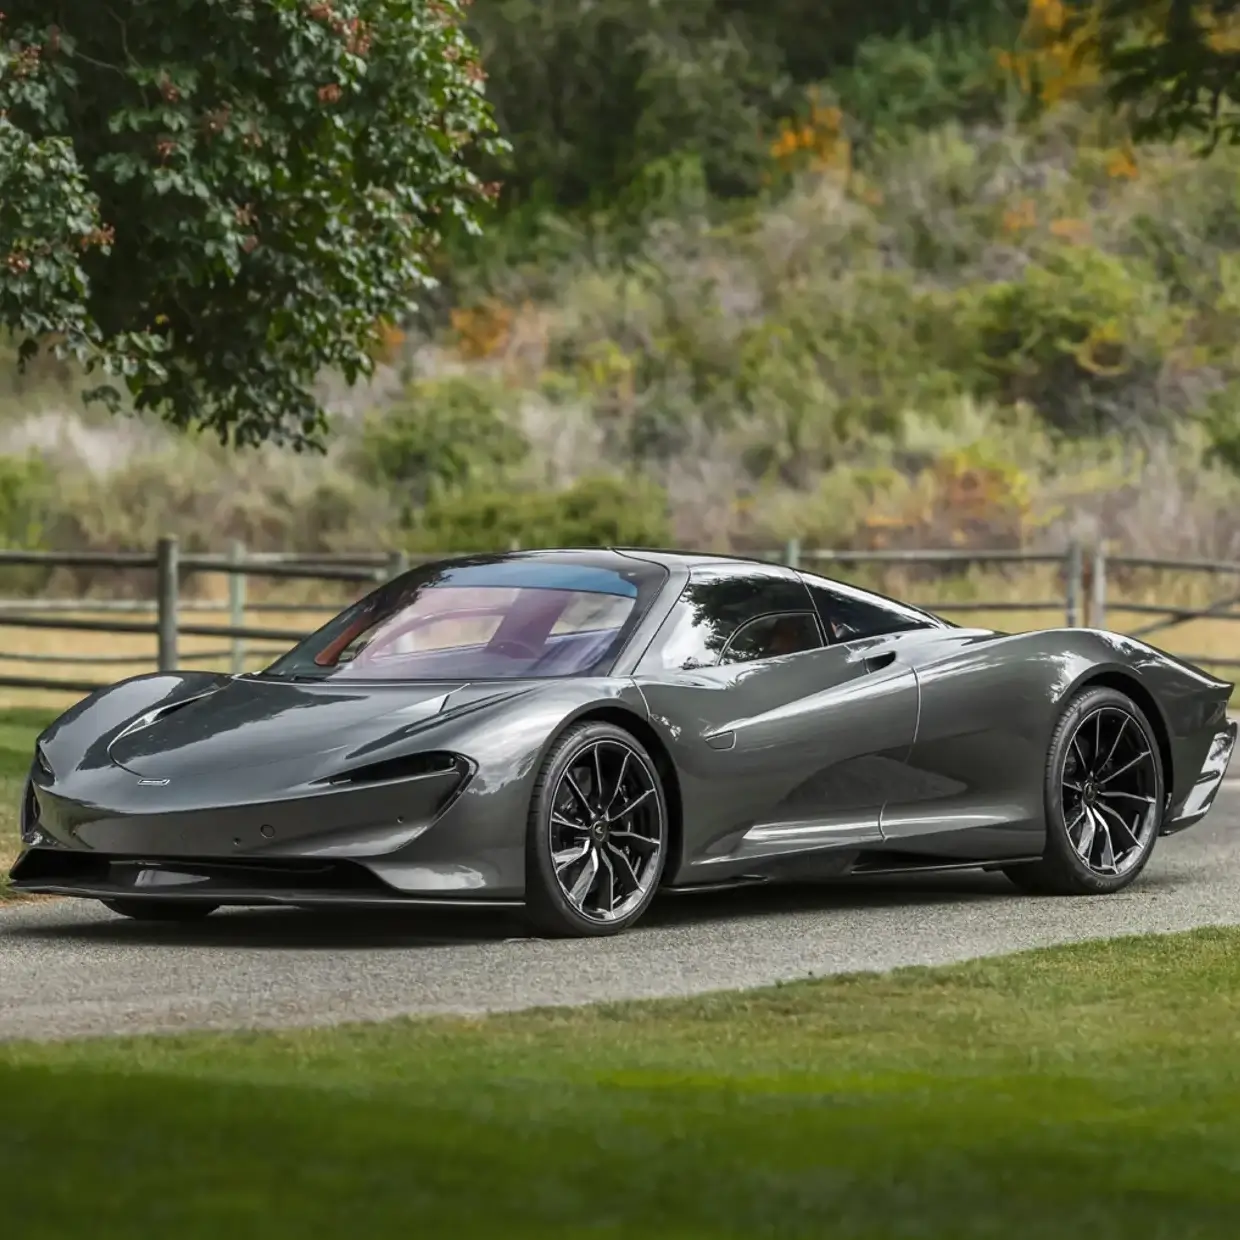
(495,619)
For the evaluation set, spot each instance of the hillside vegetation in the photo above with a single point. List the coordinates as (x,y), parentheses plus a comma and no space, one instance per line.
(896,278)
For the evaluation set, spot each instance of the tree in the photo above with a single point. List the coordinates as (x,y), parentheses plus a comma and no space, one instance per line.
(1173,64)
(213,201)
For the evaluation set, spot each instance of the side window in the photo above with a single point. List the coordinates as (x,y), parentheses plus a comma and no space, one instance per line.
(847,614)
(719,610)
(768,637)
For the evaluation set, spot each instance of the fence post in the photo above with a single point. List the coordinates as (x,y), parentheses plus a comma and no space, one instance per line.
(236,604)
(167,591)
(1073,585)
(1098,612)
(397,563)
(792,553)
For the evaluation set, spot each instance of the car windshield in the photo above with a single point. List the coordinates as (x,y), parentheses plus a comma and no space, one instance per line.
(495,619)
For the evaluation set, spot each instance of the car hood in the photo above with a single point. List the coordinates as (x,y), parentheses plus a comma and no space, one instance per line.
(248,723)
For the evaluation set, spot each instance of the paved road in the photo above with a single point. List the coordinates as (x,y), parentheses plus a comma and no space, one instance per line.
(67,970)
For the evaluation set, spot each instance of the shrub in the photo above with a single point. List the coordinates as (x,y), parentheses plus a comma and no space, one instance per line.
(1079,336)
(206,495)
(952,75)
(26,494)
(595,511)
(442,433)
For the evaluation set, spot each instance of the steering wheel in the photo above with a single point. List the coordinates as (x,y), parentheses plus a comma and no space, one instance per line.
(514,649)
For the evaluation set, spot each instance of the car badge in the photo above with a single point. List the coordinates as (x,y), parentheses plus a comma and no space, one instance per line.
(154,783)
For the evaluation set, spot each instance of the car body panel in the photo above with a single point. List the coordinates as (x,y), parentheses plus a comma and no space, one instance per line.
(921,747)
(786,755)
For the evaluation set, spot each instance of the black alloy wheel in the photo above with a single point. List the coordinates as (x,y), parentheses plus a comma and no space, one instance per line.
(598,833)
(1104,798)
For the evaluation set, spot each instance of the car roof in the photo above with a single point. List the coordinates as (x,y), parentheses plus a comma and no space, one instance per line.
(691,559)
(667,558)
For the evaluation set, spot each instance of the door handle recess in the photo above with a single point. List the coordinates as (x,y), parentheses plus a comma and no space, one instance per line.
(878,661)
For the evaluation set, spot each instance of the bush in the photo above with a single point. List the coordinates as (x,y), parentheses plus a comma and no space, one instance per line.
(442,433)
(1080,336)
(595,511)
(898,84)
(206,496)
(26,494)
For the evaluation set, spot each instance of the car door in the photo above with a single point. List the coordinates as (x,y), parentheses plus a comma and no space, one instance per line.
(783,741)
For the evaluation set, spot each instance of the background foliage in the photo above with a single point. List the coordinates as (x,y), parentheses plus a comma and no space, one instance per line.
(875,275)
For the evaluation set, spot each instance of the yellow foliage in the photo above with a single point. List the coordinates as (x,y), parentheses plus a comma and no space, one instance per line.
(388,342)
(1021,217)
(964,498)
(609,370)
(1123,165)
(1057,56)
(1075,231)
(816,142)
(1102,352)
(481,331)
(1222,29)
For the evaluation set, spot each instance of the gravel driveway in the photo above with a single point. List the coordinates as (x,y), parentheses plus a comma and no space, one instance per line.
(69,969)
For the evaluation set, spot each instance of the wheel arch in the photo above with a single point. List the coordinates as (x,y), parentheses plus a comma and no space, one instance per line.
(1129,685)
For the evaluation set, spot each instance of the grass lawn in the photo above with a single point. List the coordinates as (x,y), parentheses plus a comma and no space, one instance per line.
(18,728)
(1087,1091)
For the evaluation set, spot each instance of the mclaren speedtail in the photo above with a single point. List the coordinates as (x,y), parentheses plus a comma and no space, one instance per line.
(570,732)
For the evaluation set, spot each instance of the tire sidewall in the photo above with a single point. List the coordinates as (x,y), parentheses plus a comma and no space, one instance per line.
(1057,841)
(543,894)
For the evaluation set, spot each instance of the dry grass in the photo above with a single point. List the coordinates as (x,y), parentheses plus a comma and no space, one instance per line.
(1218,638)
(141,647)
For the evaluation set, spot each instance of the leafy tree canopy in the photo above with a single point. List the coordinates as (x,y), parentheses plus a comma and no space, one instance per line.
(212,201)
(1174,64)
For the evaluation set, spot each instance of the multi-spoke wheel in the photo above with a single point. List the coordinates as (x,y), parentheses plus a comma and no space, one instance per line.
(597,833)
(161,910)
(1104,798)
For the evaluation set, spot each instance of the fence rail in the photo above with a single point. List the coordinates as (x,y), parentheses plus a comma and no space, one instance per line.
(1083,599)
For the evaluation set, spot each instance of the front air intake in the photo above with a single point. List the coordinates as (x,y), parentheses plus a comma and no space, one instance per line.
(409,766)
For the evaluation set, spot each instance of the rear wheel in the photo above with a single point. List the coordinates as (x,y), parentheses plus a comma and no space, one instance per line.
(1104,799)
(597,834)
(161,910)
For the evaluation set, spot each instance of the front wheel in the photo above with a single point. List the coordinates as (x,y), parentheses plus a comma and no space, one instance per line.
(161,910)
(1104,798)
(597,834)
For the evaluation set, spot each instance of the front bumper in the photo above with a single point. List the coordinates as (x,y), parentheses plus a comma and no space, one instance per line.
(424,839)
(252,882)
(1210,778)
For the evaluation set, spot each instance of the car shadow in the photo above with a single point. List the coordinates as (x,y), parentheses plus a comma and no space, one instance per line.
(421,928)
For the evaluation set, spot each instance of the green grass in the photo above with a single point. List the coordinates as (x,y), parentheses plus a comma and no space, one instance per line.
(1088,1091)
(18,728)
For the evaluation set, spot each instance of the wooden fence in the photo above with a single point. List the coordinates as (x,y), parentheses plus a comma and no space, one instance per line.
(1082,599)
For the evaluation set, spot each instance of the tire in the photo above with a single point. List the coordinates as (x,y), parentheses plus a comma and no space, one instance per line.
(1102,767)
(620,853)
(161,910)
